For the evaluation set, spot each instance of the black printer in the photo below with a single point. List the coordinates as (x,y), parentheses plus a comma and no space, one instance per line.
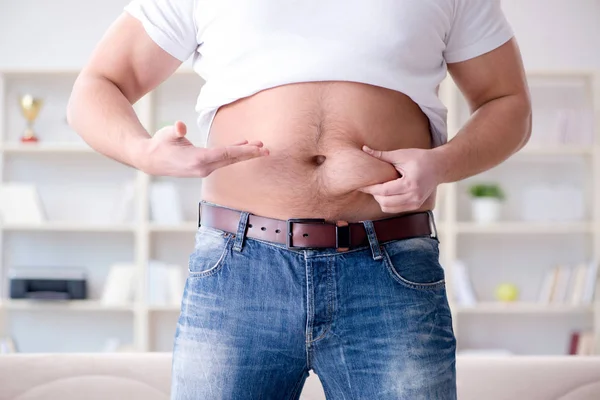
(48,283)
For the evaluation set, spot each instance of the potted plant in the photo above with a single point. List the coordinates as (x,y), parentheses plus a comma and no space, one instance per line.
(486,202)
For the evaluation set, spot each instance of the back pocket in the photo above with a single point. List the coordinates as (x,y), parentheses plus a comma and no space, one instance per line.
(415,263)
(211,250)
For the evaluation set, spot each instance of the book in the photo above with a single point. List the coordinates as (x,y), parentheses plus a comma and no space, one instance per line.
(574,343)
(175,284)
(20,204)
(562,284)
(123,208)
(157,283)
(465,294)
(118,288)
(165,204)
(575,296)
(548,286)
(165,284)
(590,283)
(585,345)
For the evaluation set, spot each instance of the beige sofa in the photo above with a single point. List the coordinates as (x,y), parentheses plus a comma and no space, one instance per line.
(146,377)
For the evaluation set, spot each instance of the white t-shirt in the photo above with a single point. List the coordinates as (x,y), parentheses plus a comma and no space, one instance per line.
(241,47)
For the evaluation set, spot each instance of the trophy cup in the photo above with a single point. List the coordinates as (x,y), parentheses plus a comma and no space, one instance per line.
(30,108)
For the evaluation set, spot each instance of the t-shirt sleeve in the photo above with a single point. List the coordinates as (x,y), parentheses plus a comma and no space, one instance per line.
(478,27)
(169,23)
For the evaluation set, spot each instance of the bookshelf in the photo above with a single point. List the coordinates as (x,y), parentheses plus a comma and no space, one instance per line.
(523,308)
(518,250)
(61,162)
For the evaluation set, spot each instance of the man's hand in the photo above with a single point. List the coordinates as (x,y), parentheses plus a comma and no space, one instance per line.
(419,177)
(170,153)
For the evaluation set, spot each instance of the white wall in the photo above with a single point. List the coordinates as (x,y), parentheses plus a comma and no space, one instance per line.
(61,33)
(55,34)
(556,34)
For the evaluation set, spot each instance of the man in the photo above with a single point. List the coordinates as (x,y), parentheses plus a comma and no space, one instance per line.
(326,142)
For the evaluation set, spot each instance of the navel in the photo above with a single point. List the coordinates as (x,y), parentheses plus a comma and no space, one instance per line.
(319,159)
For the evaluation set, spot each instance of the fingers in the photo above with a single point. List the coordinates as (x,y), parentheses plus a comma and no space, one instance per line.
(180,129)
(391,188)
(223,163)
(215,158)
(252,143)
(399,203)
(382,155)
(233,152)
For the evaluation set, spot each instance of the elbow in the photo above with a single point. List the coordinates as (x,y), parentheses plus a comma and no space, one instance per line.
(72,110)
(523,112)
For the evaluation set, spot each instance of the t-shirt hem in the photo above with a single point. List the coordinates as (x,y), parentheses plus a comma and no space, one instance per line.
(481,47)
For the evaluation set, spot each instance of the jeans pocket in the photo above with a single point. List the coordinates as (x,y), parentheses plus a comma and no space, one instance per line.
(415,263)
(211,250)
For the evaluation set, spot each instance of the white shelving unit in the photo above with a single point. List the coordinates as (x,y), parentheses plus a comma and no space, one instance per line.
(143,326)
(516,250)
(523,308)
(61,162)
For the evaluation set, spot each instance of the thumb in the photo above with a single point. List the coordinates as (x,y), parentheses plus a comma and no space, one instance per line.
(180,129)
(382,155)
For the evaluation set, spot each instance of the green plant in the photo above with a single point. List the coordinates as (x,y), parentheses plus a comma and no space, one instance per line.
(487,190)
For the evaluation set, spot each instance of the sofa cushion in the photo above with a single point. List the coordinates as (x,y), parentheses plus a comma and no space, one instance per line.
(587,392)
(85,376)
(93,387)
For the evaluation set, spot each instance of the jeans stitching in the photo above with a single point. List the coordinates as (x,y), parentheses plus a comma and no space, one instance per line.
(215,268)
(241,232)
(411,285)
(330,307)
(373,241)
(297,386)
(309,302)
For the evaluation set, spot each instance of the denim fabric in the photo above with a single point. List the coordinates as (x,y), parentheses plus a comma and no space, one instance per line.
(373,323)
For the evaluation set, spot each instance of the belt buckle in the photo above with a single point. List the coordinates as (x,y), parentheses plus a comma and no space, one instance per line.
(342,236)
(290,222)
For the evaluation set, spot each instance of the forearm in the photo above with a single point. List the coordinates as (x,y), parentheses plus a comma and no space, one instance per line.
(494,132)
(101,114)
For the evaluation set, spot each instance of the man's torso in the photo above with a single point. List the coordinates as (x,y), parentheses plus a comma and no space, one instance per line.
(315,133)
(315,130)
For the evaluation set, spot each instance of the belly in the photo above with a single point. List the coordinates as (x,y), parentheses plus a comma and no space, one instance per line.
(315,132)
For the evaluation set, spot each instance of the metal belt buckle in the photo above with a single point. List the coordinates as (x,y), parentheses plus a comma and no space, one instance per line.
(432,226)
(290,222)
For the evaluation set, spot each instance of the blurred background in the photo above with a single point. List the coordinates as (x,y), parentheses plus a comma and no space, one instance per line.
(93,254)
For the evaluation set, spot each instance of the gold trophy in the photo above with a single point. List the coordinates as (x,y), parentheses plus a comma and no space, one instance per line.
(30,108)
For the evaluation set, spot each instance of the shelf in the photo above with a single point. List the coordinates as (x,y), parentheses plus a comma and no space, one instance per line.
(45,148)
(523,308)
(186,227)
(566,150)
(69,227)
(560,73)
(66,305)
(526,227)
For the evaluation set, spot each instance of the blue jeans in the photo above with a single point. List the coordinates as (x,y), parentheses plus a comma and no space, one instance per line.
(372,323)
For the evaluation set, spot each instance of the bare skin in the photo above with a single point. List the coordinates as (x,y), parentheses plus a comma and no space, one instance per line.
(297,151)
(315,133)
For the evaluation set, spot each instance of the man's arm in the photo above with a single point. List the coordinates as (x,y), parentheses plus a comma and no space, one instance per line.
(495,88)
(126,65)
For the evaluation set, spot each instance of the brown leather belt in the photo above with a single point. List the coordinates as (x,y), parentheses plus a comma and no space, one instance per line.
(318,233)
